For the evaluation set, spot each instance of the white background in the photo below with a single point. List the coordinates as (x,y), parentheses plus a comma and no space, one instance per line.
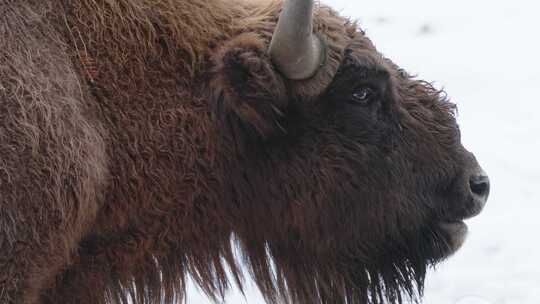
(486,56)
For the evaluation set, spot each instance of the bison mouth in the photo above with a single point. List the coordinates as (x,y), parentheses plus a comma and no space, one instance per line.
(473,196)
(455,234)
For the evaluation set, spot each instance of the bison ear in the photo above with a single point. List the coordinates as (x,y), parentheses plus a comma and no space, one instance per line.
(247,94)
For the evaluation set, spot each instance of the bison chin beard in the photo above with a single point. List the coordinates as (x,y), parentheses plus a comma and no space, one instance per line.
(397,270)
(394,274)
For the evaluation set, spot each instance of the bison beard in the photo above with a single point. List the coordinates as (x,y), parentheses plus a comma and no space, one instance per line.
(138,137)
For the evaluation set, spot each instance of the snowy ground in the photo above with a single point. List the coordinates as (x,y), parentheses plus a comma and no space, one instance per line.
(486,54)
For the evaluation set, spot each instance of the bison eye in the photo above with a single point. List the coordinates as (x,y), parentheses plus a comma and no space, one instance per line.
(363,96)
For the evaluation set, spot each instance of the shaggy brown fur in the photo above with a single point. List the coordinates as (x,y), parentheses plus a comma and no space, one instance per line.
(137,137)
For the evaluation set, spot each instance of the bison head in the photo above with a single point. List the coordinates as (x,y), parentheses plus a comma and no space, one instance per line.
(345,176)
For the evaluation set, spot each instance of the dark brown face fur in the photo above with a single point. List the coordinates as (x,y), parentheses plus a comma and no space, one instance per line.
(348,187)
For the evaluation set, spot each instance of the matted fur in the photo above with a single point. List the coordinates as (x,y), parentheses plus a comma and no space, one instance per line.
(139,137)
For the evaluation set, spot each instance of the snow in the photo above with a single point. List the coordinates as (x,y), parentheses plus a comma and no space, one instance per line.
(486,54)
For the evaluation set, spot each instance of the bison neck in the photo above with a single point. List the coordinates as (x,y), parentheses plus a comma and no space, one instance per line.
(141,61)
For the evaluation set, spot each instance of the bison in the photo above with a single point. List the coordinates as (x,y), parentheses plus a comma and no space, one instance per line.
(142,141)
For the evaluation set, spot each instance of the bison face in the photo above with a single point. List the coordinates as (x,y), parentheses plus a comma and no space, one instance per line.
(352,189)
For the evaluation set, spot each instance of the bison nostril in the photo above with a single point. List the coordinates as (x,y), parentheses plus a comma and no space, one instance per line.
(480,186)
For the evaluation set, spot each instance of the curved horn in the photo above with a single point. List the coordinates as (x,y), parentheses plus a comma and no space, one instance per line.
(294,49)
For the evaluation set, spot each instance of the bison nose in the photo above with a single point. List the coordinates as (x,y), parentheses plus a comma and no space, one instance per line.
(479,184)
